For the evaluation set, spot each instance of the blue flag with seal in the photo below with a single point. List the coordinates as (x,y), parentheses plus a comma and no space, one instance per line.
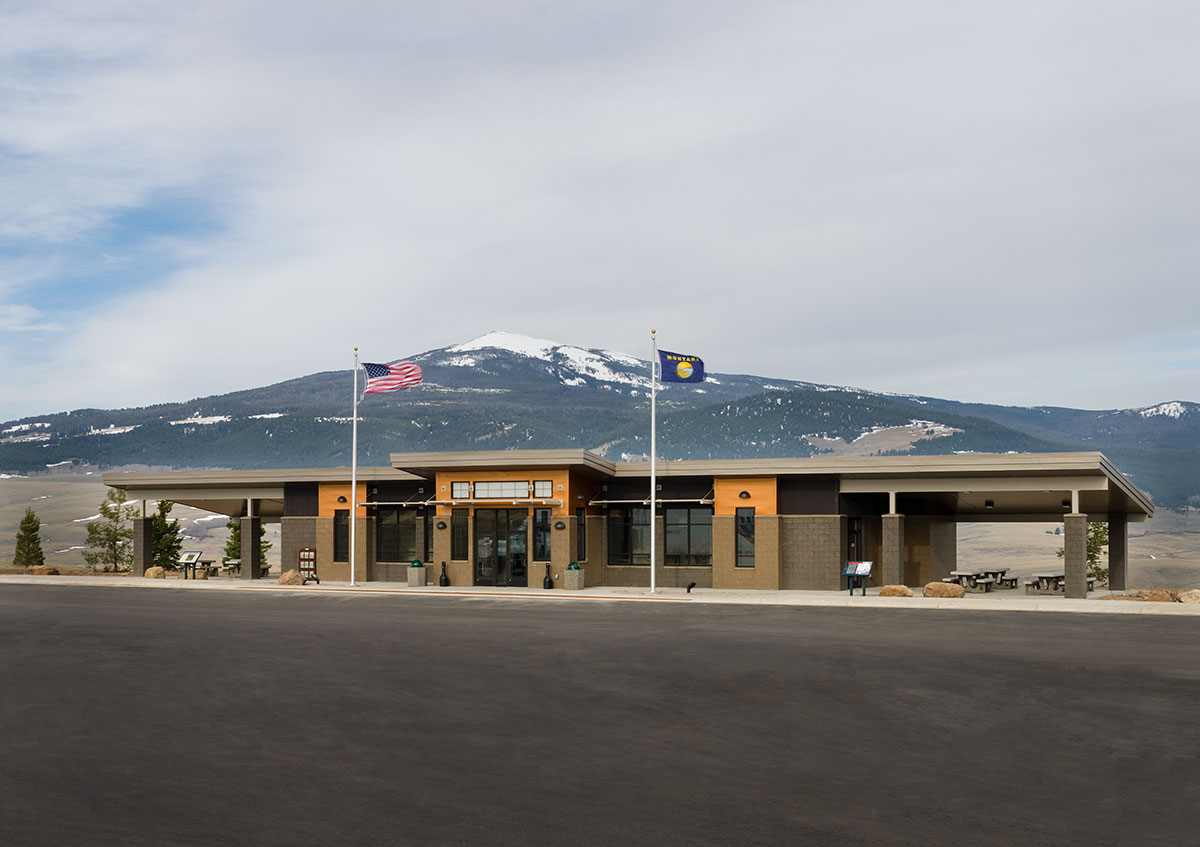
(679,368)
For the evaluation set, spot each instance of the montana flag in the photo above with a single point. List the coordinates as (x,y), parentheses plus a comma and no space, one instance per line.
(383,379)
(678,368)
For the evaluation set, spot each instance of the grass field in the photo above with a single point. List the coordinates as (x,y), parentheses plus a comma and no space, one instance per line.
(1163,552)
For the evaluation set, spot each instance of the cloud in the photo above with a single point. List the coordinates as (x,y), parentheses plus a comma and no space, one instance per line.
(988,202)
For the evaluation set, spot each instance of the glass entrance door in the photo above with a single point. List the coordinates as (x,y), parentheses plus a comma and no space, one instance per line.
(501,547)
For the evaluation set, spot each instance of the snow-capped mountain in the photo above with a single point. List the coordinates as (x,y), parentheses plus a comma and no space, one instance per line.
(506,391)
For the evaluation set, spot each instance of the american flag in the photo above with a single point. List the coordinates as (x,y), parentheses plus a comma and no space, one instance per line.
(382,379)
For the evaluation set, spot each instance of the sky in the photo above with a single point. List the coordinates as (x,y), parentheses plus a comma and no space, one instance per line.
(987,201)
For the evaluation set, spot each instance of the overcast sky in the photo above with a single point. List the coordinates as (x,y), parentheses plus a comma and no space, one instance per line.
(985,201)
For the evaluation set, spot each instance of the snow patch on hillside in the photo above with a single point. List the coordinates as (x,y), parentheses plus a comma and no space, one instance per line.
(211,419)
(1174,409)
(112,429)
(25,427)
(267,416)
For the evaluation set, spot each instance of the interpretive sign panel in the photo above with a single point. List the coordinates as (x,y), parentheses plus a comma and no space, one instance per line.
(189,558)
(858,569)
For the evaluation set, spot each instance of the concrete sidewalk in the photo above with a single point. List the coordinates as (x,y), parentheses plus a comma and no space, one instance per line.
(1001,601)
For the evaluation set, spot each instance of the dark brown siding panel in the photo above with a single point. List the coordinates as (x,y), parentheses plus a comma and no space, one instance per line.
(300,499)
(808,495)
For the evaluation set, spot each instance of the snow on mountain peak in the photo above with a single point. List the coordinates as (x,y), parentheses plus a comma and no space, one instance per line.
(523,345)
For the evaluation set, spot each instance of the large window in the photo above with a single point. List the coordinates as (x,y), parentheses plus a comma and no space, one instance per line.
(629,535)
(581,534)
(541,535)
(459,547)
(744,529)
(460,491)
(341,535)
(688,536)
(395,534)
(502,490)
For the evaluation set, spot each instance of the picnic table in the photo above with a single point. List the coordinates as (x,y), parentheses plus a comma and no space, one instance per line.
(1052,582)
(205,565)
(1000,578)
(975,581)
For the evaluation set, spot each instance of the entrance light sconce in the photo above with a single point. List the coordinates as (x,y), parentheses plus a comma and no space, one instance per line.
(441,524)
(1066,504)
(989,504)
(745,495)
(559,525)
(341,499)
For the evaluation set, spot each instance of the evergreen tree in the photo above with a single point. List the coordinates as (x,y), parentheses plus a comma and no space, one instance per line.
(233,545)
(29,542)
(168,540)
(110,539)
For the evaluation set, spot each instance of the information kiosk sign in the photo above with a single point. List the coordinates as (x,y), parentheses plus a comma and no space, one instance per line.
(857,572)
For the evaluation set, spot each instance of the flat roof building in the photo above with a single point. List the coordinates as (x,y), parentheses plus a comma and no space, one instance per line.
(511,517)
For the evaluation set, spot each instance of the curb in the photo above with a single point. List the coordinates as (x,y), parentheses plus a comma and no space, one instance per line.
(703,596)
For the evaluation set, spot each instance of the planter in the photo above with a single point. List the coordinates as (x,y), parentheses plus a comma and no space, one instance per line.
(573,580)
(416,577)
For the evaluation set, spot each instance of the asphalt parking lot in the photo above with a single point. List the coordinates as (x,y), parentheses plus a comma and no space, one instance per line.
(268,718)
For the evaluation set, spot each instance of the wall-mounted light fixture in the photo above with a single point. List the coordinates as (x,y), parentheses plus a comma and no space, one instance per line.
(989,504)
(745,495)
(559,525)
(441,524)
(341,499)
(1066,504)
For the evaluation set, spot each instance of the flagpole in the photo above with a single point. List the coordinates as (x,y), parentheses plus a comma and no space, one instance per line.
(653,459)
(354,468)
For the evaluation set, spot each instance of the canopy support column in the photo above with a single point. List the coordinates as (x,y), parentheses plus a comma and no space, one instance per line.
(1118,550)
(892,566)
(1075,555)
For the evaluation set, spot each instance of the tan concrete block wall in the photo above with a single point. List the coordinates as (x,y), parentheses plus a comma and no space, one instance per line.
(813,550)
(765,573)
(364,545)
(294,535)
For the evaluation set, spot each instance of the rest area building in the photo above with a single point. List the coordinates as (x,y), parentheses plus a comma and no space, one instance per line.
(509,518)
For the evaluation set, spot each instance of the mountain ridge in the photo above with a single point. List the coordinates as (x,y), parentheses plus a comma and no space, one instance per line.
(509,391)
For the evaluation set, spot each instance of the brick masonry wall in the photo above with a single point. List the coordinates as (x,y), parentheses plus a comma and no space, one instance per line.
(812,550)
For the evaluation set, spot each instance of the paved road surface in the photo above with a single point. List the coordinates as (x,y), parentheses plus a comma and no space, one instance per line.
(214,718)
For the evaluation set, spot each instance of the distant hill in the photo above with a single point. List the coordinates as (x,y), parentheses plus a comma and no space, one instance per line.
(505,391)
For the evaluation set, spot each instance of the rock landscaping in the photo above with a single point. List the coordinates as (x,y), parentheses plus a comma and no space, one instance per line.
(943,589)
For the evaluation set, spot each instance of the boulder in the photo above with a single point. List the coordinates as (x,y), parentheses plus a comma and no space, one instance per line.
(895,591)
(41,570)
(155,573)
(200,573)
(1155,596)
(292,577)
(943,589)
(1192,596)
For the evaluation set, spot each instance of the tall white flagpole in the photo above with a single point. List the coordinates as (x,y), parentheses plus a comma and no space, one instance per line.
(354,469)
(653,459)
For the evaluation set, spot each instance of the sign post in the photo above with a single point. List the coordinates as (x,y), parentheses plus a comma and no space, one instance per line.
(857,572)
